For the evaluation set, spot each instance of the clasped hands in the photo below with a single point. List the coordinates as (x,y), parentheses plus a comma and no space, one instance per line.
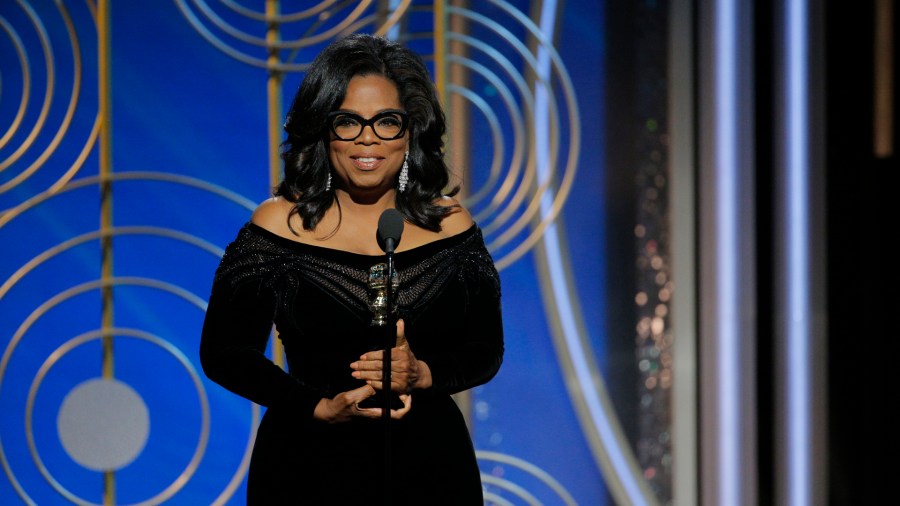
(407,374)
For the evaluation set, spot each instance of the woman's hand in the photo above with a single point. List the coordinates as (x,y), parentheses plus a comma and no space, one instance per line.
(345,406)
(407,373)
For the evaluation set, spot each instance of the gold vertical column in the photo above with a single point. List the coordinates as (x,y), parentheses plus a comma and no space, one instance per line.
(457,105)
(104,83)
(275,119)
(457,111)
(883,133)
(440,49)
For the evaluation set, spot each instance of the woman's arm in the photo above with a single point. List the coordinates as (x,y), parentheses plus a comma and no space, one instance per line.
(475,357)
(235,333)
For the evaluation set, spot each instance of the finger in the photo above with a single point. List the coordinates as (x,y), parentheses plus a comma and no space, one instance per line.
(369,358)
(360,394)
(399,382)
(366,412)
(396,414)
(370,375)
(371,361)
(401,333)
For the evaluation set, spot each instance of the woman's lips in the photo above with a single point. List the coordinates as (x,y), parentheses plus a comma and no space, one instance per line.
(367,162)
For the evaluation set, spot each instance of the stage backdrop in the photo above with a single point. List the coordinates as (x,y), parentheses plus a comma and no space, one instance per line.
(137,137)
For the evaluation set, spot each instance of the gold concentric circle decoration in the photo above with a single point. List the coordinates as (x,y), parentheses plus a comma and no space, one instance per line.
(234,29)
(45,310)
(516,85)
(43,125)
(498,488)
(203,434)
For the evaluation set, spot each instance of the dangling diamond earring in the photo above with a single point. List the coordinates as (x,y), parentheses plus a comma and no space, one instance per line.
(404,172)
(328,182)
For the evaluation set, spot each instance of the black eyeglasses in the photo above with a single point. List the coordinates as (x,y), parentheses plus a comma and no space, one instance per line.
(387,125)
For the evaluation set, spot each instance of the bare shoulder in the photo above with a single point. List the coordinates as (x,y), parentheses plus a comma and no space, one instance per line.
(458,220)
(272,215)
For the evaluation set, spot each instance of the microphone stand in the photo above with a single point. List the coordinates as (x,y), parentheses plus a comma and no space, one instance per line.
(390,332)
(390,229)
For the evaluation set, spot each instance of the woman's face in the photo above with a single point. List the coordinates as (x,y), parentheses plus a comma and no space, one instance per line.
(368,164)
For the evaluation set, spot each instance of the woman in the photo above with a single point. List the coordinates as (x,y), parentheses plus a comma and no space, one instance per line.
(364,134)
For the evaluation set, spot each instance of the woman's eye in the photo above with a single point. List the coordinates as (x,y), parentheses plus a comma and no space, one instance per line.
(390,121)
(345,121)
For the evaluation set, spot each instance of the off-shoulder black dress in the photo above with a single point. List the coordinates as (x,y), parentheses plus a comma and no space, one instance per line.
(318,299)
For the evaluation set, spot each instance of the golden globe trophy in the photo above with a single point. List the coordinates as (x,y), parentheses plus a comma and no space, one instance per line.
(378,286)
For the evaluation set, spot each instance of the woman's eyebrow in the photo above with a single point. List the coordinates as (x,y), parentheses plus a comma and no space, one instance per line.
(381,111)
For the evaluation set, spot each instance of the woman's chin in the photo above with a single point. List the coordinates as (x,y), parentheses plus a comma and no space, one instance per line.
(368,187)
(370,182)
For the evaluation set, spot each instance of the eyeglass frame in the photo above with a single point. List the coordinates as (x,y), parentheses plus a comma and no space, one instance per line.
(404,123)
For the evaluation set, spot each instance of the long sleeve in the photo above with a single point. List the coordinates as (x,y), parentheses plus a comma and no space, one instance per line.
(476,358)
(235,333)
(472,349)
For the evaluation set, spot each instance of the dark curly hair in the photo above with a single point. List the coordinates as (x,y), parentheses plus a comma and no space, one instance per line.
(305,151)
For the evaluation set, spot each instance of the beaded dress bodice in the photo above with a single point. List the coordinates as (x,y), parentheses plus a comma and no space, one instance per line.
(321,298)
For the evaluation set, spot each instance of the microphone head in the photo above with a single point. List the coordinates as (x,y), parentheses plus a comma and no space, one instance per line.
(390,228)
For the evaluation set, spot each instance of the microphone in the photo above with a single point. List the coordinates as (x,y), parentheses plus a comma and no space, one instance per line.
(390,228)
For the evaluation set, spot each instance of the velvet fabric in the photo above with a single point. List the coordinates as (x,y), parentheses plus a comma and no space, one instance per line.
(318,301)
